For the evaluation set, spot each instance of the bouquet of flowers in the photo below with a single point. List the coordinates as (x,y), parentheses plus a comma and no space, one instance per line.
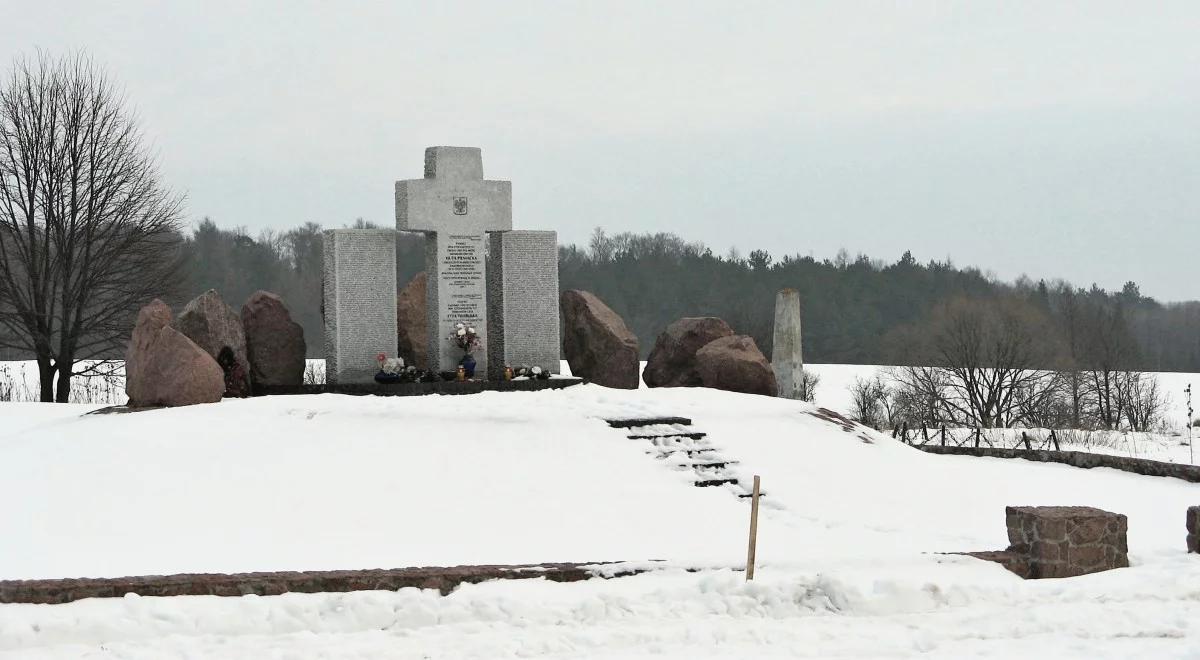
(391,366)
(532,373)
(465,338)
(390,369)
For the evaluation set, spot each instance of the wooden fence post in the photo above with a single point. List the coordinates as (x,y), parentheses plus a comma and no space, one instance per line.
(1025,437)
(1054,439)
(977,432)
(753,531)
(924,434)
(943,435)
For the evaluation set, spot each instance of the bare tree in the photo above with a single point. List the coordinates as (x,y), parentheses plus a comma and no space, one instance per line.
(806,387)
(989,363)
(869,402)
(1110,351)
(1141,400)
(918,396)
(87,232)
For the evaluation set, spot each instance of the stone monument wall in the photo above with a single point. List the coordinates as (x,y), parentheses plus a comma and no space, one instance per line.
(523,312)
(359,302)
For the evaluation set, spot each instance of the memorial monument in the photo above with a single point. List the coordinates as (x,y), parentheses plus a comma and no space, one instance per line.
(463,216)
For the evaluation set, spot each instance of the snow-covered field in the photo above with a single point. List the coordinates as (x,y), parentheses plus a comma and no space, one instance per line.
(848,563)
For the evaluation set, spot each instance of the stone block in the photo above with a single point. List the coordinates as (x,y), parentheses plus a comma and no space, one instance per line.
(1067,541)
(523,309)
(359,302)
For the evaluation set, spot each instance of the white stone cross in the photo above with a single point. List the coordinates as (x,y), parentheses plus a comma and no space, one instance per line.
(455,207)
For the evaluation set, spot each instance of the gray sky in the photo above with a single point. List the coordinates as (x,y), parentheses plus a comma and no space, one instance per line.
(1054,139)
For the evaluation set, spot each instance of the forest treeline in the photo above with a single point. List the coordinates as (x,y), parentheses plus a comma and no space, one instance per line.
(857,310)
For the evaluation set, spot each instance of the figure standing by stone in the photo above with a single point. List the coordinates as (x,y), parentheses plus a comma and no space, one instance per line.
(236,383)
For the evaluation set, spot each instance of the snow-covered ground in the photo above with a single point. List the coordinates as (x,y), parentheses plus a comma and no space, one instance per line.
(847,548)
(948,608)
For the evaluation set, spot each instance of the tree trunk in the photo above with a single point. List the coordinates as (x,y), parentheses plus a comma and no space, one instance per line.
(46,380)
(63,395)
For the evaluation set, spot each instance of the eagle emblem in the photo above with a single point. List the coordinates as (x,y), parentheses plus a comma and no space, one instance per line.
(460,206)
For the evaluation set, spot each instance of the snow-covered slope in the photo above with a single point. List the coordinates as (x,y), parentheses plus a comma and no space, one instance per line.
(330,481)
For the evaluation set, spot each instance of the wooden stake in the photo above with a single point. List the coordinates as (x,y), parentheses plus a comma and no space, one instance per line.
(753,531)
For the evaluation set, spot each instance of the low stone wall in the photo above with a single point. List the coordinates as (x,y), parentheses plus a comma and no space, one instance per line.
(444,579)
(1078,459)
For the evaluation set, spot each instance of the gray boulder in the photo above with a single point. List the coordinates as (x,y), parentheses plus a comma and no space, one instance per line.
(735,364)
(597,343)
(213,325)
(275,344)
(672,362)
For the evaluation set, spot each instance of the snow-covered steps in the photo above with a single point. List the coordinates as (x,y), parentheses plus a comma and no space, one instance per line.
(675,441)
(632,422)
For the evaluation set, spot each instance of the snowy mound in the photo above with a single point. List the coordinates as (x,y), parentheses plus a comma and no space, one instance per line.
(847,537)
(340,482)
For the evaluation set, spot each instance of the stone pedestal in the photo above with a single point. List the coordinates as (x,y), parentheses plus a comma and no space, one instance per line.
(523,301)
(787,359)
(1065,541)
(359,302)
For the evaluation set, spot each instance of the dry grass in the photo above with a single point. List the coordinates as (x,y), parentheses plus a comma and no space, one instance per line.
(101,382)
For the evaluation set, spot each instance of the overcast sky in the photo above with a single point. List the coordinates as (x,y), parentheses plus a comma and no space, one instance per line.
(1053,139)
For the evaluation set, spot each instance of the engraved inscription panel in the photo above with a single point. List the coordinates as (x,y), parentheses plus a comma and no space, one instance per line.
(360,302)
(524,313)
